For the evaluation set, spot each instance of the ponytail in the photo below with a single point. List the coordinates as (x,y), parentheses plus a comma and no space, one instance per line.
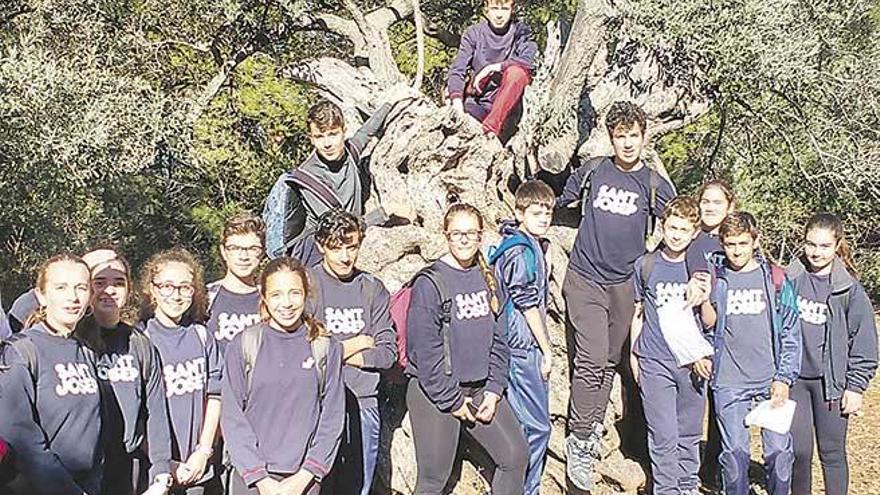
(830,221)
(491,283)
(315,328)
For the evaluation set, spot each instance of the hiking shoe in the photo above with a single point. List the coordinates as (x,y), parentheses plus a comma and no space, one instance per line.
(581,457)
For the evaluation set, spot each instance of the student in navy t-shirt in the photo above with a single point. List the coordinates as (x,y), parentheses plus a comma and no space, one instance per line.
(174,305)
(457,382)
(672,395)
(757,343)
(283,409)
(49,395)
(234,300)
(716,202)
(354,308)
(137,432)
(839,353)
(598,290)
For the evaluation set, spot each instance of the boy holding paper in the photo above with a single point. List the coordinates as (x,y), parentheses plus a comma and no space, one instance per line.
(672,394)
(757,353)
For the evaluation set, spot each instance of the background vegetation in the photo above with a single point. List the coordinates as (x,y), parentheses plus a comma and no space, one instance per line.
(148,123)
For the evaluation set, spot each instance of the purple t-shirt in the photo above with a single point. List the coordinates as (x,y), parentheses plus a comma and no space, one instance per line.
(667,285)
(192,370)
(611,234)
(231,313)
(812,299)
(746,360)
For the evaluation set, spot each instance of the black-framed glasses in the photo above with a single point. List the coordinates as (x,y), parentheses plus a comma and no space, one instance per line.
(167,289)
(460,235)
(236,249)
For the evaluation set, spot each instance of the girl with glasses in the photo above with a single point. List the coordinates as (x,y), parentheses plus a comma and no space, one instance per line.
(172,315)
(467,395)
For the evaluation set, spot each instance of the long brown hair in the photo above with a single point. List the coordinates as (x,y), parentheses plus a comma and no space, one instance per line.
(467,209)
(39,315)
(293,265)
(830,221)
(198,310)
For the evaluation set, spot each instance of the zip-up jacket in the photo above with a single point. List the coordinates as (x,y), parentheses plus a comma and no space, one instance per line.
(785,326)
(849,358)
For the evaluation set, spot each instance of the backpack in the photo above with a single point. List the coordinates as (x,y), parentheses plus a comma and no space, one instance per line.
(276,210)
(653,181)
(252,340)
(531,258)
(211,290)
(399,308)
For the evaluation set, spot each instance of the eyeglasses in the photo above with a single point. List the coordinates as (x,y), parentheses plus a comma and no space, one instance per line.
(459,235)
(251,250)
(167,289)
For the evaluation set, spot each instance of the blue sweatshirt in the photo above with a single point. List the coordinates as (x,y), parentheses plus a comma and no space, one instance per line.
(478,341)
(849,354)
(231,313)
(283,426)
(52,420)
(357,306)
(518,292)
(481,46)
(700,251)
(134,404)
(611,234)
(192,371)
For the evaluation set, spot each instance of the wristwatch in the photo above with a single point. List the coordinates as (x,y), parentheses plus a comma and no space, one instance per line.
(164,480)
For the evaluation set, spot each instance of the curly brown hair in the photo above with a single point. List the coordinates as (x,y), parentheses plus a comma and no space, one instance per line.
(198,310)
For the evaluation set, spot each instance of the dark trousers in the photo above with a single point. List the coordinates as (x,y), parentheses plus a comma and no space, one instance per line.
(436,435)
(673,401)
(733,406)
(124,473)
(237,486)
(355,462)
(816,418)
(597,328)
(709,466)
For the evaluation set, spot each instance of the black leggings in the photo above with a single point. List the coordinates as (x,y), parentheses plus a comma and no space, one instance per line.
(814,417)
(436,436)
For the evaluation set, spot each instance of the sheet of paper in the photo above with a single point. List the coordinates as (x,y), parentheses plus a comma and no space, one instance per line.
(777,419)
(683,334)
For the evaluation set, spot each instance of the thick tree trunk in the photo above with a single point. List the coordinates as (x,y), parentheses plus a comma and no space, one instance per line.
(428,158)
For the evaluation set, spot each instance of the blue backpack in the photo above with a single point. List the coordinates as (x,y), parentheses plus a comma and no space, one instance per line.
(279,203)
(531,258)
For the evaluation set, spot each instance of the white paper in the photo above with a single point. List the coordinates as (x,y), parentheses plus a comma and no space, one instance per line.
(682,333)
(776,419)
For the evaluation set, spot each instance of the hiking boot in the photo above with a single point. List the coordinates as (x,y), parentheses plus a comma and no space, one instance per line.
(581,457)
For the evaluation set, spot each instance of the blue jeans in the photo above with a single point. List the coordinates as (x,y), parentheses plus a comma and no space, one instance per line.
(732,406)
(528,395)
(673,401)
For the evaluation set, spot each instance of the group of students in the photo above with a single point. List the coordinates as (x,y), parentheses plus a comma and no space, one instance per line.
(267,381)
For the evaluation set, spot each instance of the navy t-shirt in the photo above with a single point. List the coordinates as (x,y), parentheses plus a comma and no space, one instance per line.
(813,295)
(667,284)
(611,234)
(192,370)
(746,359)
(231,313)
(698,253)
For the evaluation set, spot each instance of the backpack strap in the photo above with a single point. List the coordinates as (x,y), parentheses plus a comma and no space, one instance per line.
(512,241)
(320,351)
(304,179)
(26,349)
(202,332)
(251,339)
(587,181)
(648,262)
(653,182)
(140,344)
(445,313)
(212,290)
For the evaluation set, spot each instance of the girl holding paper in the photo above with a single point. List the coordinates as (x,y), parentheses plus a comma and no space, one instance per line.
(672,394)
(839,353)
